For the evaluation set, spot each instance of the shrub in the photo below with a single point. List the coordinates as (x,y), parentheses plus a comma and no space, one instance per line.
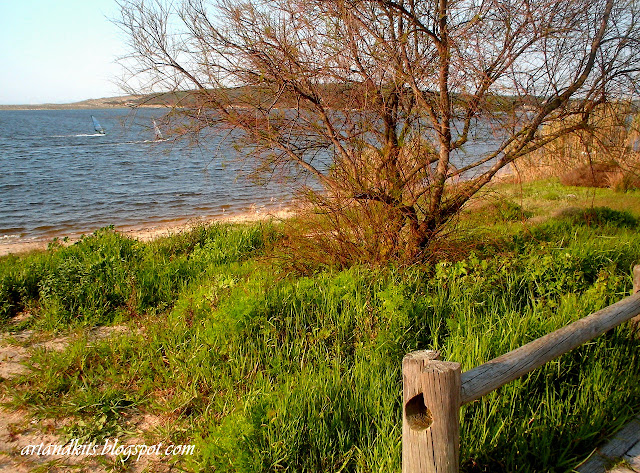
(600,216)
(90,279)
(591,175)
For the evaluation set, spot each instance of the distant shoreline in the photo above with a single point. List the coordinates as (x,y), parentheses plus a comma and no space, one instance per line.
(18,108)
(126,101)
(71,107)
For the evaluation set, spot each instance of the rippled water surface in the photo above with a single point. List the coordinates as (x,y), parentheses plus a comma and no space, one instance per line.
(59,176)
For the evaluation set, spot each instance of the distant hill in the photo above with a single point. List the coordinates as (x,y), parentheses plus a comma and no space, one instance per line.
(339,96)
(106,102)
(167,99)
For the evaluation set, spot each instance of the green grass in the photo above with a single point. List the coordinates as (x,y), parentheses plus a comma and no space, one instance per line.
(105,277)
(547,196)
(268,371)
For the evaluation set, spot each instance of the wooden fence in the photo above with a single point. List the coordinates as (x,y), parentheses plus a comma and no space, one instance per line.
(434,390)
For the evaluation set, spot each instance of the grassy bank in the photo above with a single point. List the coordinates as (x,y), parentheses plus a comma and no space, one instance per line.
(264,370)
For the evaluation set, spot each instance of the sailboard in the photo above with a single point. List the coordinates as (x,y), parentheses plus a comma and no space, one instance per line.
(97,126)
(157,131)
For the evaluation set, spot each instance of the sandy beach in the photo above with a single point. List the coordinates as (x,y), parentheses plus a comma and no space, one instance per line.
(145,232)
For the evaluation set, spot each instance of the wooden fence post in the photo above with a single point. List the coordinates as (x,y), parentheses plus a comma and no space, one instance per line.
(636,288)
(431,414)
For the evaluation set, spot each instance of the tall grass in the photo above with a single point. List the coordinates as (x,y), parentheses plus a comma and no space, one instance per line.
(106,277)
(268,372)
(604,153)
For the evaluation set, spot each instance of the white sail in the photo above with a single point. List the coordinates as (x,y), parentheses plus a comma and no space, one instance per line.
(157,131)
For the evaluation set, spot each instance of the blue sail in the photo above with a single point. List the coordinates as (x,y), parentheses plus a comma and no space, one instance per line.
(97,126)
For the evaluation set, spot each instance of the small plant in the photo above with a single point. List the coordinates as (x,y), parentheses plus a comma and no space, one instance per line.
(507,211)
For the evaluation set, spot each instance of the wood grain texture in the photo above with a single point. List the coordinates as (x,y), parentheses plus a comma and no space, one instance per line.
(624,445)
(491,375)
(623,441)
(431,414)
(632,457)
(636,288)
(595,464)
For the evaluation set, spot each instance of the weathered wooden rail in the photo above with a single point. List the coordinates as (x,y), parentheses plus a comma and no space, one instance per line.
(434,390)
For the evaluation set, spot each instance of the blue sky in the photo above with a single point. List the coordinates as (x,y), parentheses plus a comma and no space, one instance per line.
(58,51)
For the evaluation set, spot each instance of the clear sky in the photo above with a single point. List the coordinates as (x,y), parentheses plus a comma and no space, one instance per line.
(58,51)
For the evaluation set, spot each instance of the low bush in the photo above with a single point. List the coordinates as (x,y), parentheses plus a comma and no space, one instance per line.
(591,175)
(106,276)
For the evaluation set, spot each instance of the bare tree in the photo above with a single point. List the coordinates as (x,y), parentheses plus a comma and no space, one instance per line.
(401,109)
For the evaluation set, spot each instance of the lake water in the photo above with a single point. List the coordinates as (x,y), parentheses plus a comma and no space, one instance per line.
(59,177)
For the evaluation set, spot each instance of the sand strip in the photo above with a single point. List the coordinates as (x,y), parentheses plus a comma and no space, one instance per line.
(146,232)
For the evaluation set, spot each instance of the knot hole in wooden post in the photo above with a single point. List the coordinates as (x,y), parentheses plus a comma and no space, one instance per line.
(418,415)
(431,413)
